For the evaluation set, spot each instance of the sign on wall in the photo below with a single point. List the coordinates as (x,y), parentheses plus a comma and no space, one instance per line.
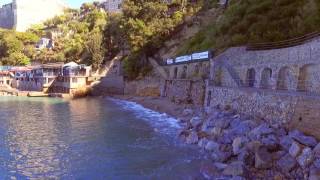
(170,61)
(201,55)
(183,58)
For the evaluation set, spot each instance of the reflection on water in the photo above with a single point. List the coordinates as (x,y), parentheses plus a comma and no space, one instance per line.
(86,139)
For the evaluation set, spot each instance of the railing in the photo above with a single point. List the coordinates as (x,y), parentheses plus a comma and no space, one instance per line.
(283,44)
(300,87)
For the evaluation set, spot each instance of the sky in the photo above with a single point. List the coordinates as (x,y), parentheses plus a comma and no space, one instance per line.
(71,3)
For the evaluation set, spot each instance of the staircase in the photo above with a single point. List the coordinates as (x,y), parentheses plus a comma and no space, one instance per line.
(159,69)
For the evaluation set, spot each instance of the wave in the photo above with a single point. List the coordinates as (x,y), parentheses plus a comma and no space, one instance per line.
(161,122)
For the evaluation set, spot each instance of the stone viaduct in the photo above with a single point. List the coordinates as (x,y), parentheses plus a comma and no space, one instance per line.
(281,86)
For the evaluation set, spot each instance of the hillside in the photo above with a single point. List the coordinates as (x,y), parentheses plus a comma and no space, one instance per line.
(254,21)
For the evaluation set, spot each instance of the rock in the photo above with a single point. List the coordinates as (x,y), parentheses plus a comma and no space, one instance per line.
(235,169)
(220,166)
(287,163)
(220,156)
(316,150)
(270,141)
(242,128)
(306,157)
(316,163)
(222,123)
(295,149)
(203,142)
(314,173)
(216,131)
(208,170)
(279,154)
(212,146)
(263,159)
(253,146)
(246,157)
(303,139)
(195,121)
(237,144)
(192,138)
(285,142)
(187,112)
(258,132)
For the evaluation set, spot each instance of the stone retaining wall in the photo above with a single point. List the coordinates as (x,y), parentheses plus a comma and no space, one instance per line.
(295,111)
(185,91)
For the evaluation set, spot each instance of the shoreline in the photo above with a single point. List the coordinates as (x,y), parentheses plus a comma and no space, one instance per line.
(163,105)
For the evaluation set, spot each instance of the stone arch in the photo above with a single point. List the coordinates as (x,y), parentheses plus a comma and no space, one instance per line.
(285,79)
(184,72)
(251,77)
(266,75)
(309,77)
(175,73)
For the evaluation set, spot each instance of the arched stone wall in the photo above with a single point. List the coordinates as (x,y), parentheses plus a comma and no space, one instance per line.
(309,78)
(286,79)
(266,78)
(250,77)
(175,73)
(183,74)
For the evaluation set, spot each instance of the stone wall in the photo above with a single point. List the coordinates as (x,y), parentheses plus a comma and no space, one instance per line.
(292,69)
(185,91)
(149,86)
(294,111)
(188,70)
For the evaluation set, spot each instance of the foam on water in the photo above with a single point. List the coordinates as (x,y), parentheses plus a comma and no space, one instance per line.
(159,121)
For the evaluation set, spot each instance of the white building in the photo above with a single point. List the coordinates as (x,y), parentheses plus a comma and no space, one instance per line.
(22,14)
(112,5)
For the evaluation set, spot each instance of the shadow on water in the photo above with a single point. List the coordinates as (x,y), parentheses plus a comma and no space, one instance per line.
(90,139)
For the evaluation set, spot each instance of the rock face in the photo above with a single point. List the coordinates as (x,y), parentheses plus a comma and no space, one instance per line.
(240,148)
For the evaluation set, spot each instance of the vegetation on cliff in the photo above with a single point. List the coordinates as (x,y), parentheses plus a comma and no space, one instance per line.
(254,21)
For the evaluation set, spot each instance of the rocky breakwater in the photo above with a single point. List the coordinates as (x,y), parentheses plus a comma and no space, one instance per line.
(238,147)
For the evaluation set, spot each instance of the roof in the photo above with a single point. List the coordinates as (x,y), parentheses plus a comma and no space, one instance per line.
(71,64)
(53,65)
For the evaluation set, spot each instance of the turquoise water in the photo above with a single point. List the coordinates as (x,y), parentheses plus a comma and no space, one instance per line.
(97,138)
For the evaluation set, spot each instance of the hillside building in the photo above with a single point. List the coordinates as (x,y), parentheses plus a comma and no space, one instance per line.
(22,14)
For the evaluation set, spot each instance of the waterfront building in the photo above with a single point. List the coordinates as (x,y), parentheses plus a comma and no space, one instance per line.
(74,78)
(6,78)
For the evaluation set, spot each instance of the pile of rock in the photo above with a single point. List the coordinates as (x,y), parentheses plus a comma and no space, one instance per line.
(241,148)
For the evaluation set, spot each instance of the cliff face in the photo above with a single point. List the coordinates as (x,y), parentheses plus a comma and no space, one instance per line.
(21,14)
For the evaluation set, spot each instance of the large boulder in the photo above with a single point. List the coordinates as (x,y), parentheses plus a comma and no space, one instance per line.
(203,142)
(192,138)
(306,157)
(235,169)
(263,159)
(212,146)
(222,123)
(316,150)
(195,121)
(221,156)
(285,142)
(187,112)
(258,132)
(303,139)
(237,144)
(295,149)
(287,163)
